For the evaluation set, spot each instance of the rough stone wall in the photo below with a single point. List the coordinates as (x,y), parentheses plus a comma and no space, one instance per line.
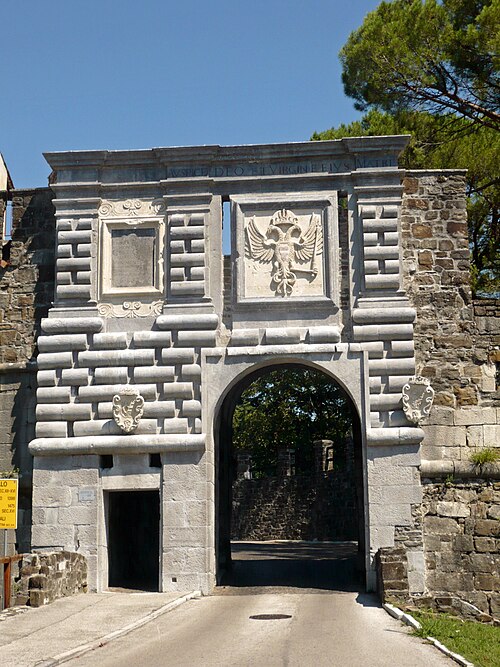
(462,543)
(42,578)
(26,293)
(303,507)
(455,338)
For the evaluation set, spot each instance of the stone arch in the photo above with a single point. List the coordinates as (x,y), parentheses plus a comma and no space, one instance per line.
(222,446)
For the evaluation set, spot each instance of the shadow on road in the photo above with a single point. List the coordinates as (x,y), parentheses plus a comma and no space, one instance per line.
(304,566)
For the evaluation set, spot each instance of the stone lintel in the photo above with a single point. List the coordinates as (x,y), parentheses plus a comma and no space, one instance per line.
(116,444)
(394,436)
(459,469)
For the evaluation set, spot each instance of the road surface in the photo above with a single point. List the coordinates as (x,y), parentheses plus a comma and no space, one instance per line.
(322,622)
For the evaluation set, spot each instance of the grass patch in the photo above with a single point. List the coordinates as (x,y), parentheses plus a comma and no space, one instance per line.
(486,455)
(476,642)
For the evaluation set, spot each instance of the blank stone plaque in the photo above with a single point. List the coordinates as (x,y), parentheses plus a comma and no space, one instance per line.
(133,257)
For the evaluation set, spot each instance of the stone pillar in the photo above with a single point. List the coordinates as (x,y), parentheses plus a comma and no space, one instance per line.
(243,465)
(286,463)
(323,456)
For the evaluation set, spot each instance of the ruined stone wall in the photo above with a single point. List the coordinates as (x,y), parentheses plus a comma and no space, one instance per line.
(26,293)
(303,507)
(455,337)
(39,579)
(462,543)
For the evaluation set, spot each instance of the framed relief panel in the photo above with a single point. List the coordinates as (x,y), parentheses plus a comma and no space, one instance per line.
(131,260)
(285,248)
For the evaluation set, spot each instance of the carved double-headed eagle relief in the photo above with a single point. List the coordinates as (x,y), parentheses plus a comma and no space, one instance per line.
(291,250)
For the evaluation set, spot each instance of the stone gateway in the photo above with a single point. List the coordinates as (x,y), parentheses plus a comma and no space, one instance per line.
(152,335)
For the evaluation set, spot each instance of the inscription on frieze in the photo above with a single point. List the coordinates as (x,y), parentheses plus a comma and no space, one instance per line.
(281,169)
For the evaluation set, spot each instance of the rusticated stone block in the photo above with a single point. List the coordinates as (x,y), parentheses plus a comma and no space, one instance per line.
(483,562)
(487,527)
(486,544)
(495,605)
(451,581)
(487,582)
(435,525)
(463,543)
(38,581)
(37,598)
(452,509)
(465,395)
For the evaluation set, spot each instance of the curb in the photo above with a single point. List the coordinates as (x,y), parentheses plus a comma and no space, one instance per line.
(101,641)
(413,623)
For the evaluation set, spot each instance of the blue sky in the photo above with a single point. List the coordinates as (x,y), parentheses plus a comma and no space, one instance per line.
(116,74)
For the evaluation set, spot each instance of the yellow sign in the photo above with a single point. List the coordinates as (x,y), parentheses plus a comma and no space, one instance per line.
(8,503)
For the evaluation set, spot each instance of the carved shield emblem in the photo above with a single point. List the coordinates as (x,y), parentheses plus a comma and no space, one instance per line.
(128,408)
(417,398)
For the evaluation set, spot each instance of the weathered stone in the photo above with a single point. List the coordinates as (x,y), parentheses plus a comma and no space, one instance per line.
(465,395)
(487,582)
(452,509)
(487,527)
(463,543)
(440,526)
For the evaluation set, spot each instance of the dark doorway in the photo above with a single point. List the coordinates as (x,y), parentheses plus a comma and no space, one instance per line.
(134,539)
(289,483)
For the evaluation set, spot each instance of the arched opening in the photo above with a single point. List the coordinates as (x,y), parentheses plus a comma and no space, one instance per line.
(289,482)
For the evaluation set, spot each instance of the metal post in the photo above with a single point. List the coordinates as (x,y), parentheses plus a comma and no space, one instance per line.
(6,584)
(4,591)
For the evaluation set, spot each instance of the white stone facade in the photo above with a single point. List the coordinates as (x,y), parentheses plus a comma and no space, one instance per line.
(139,303)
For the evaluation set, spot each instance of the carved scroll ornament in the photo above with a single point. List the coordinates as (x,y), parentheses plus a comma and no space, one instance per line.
(128,408)
(130,309)
(131,208)
(418,396)
(287,247)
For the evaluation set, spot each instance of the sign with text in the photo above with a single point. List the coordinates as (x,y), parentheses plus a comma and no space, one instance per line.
(8,503)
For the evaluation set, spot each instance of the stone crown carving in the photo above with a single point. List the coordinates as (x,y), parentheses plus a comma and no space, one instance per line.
(287,247)
(128,408)
(418,396)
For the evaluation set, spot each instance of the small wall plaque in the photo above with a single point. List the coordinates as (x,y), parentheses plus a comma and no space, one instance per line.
(86,495)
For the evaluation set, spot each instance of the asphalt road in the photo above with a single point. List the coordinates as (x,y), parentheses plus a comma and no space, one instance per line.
(325,620)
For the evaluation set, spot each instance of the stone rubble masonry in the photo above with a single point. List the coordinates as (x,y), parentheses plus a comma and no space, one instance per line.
(457,339)
(26,293)
(462,543)
(41,578)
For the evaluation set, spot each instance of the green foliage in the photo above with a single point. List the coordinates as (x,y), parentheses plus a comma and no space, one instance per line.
(289,408)
(474,641)
(444,142)
(426,55)
(13,473)
(486,455)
